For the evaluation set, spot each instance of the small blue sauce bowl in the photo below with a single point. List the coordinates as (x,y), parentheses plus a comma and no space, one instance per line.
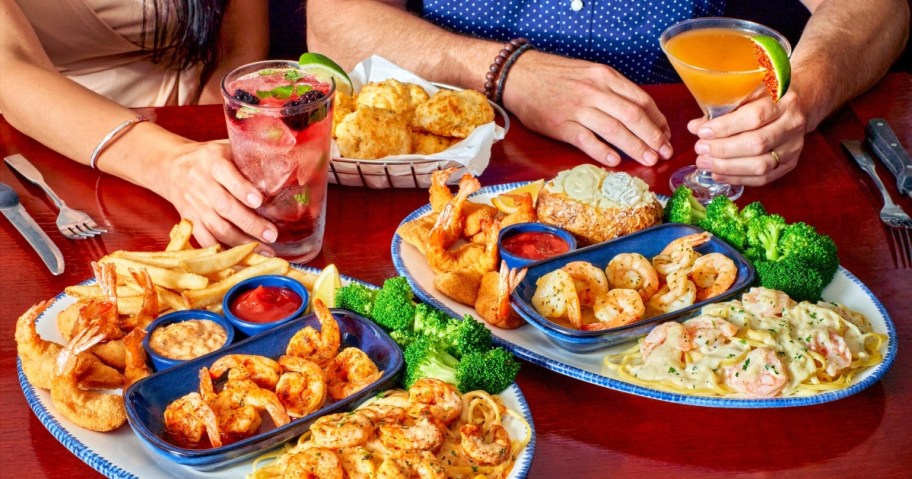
(273,280)
(514,261)
(160,362)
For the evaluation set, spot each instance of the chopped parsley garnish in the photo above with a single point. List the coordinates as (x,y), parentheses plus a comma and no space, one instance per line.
(746,364)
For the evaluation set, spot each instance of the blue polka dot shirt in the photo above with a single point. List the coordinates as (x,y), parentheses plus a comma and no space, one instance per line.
(623,34)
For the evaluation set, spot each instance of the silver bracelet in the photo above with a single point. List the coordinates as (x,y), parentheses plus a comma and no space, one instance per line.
(110,136)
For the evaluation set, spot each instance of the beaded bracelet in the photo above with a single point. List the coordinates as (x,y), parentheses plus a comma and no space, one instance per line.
(495,74)
(110,136)
(502,81)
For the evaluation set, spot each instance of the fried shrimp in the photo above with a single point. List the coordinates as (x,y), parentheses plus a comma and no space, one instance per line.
(678,293)
(617,308)
(633,271)
(149,309)
(37,355)
(411,464)
(442,399)
(448,229)
(344,429)
(679,254)
(493,301)
(189,417)
(349,372)
(555,297)
(261,370)
(135,367)
(321,346)
(463,286)
(314,463)
(439,192)
(489,447)
(524,210)
(92,410)
(588,280)
(302,387)
(713,274)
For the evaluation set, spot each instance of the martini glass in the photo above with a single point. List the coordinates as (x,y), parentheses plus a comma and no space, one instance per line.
(714,57)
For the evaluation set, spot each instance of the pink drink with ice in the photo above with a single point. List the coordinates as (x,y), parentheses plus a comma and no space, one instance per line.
(279,124)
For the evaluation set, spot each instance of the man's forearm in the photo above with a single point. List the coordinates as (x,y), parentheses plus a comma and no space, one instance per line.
(846,47)
(349,31)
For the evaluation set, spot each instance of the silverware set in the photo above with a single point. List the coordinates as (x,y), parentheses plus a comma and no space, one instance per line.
(881,139)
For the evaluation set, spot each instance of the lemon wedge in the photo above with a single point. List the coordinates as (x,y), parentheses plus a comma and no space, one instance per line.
(325,286)
(506,204)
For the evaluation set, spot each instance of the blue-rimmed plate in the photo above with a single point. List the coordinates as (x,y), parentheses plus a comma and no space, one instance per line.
(120,454)
(533,346)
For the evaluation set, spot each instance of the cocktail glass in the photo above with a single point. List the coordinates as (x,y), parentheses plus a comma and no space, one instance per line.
(714,57)
(279,119)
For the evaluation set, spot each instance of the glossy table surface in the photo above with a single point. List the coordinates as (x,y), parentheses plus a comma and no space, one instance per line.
(583,430)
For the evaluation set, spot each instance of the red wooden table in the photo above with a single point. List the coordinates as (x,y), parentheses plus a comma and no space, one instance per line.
(583,430)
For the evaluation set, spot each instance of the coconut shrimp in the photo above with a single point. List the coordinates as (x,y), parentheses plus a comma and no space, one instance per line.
(321,346)
(764,302)
(302,387)
(149,309)
(37,355)
(411,464)
(491,447)
(525,210)
(679,254)
(261,370)
(189,417)
(555,297)
(617,308)
(349,372)
(760,374)
(441,399)
(713,274)
(424,433)
(671,333)
(589,281)
(135,367)
(97,411)
(344,429)
(633,271)
(678,293)
(493,302)
(833,348)
(314,463)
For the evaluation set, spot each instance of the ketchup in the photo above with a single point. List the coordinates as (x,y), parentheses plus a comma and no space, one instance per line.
(535,245)
(265,304)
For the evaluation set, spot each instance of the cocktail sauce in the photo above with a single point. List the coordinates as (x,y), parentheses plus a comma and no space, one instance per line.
(535,245)
(265,304)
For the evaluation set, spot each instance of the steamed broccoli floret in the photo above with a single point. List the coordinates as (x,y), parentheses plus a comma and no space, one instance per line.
(426,359)
(723,220)
(467,336)
(682,207)
(751,211)
(763,234)
(793,277)
(356,297)
(803,242)
(492,371)
(404,337)
(394,305)
(430,321)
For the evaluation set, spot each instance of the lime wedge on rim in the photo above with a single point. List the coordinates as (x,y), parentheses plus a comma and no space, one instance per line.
(321,66)
(774,59)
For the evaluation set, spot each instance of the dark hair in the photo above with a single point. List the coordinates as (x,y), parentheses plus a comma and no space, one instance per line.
(186,32)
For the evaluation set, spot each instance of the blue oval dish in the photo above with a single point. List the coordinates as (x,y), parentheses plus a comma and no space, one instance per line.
(273,280)
(649,243)
(514,261)
(159,362)
(147,399)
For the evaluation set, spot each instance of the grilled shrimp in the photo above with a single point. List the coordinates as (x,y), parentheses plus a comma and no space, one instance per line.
(482,450)
(189,417)
(678,293)
(302,387)
(344,429)
(441,399)
(589,281)
(314,463)
(411,464)
(617,308)
(424,433)
(555,297)
(321,346)
(633,271)
(358,463)
(261,370)
(679,254)
(349,372)
(713,274)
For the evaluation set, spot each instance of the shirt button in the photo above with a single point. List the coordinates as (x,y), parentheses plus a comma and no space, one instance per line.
(576,5)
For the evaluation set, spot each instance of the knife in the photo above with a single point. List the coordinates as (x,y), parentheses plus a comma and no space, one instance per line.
(13,210)
(887,147)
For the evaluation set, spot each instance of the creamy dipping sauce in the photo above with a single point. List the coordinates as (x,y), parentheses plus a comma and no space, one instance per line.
(188,339)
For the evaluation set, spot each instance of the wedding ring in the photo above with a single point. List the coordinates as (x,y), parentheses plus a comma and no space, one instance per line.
(775,158)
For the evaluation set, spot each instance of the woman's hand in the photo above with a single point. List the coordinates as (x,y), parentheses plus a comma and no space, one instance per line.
(754,145)
(206,188)
(588,105)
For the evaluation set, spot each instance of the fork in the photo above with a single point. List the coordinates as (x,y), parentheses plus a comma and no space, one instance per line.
(73,224)
(891,214)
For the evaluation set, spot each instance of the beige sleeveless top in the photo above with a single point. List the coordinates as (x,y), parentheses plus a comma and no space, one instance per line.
(97,44)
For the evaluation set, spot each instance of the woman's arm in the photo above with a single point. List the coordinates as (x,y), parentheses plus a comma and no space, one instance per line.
(244,39)
(197,178)
(598,106)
